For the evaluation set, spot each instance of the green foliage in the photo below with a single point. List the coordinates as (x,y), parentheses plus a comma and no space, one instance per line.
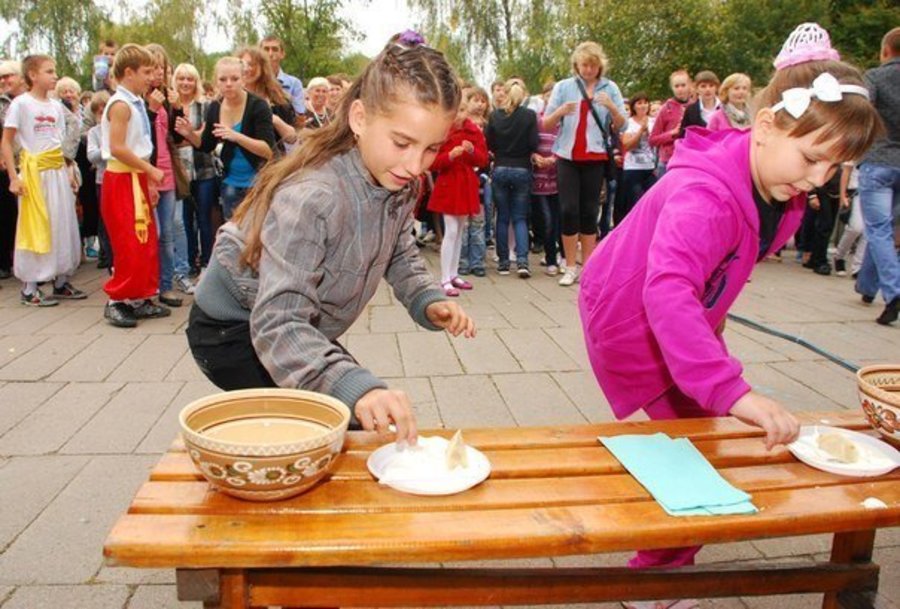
(645,41)
(61,28)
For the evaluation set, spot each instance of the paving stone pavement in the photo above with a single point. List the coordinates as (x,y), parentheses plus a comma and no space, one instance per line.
(86,409)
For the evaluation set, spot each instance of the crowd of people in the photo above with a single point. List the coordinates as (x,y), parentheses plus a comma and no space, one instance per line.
(207,142)
(293,204)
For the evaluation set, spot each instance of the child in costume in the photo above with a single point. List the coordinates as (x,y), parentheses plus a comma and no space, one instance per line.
(48,246)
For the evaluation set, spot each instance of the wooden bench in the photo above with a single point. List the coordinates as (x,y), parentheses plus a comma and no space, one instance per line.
(554,491)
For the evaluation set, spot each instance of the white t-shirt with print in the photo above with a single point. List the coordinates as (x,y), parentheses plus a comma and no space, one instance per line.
(40,125)
(642,155)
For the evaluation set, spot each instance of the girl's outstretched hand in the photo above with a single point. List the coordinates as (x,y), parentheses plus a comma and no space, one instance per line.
(451,317)
(781,426)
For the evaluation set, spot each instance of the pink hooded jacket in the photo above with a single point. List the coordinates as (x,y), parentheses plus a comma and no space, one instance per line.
(657,288)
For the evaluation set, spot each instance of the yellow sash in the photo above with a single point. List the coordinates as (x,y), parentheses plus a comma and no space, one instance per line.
(141,205)
(33,231)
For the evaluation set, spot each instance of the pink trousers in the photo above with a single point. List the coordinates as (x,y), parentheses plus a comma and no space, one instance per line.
(671,405)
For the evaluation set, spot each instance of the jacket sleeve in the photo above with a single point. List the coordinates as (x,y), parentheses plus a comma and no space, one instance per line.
(442,161)
(678,266)
(264,128)
(661,134)
(410,279)
(94,154)
(691,118)
(208,141)
(282,323)
(533,137)
(480,154)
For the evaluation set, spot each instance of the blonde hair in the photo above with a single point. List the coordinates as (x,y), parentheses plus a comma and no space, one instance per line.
(732,80)
(318,81)
(266,86)
(67,82)
(852,123)
(131,57)
(228,61)
(591,52)
(99,101)
(397,73)
(188,70)
(33,63)
(516,94)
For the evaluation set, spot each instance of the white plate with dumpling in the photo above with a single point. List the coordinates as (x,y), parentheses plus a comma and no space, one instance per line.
(844,452)
(435,466)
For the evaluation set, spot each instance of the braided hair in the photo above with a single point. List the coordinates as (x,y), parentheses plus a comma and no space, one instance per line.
(401,71)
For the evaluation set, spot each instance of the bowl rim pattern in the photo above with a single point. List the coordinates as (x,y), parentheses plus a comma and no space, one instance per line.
(874,391)
(332,438)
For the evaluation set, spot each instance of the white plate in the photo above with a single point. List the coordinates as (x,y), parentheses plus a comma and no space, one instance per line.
(446,483)
(878,458)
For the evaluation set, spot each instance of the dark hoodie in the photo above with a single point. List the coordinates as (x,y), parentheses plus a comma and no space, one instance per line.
(512,137)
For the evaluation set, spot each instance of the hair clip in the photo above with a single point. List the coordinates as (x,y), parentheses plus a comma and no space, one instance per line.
(411,38)
(825,88)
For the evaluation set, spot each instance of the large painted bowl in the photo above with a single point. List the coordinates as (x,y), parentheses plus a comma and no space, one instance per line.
(264,444)
(879,394)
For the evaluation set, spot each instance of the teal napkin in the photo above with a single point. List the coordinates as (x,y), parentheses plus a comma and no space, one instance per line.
(677,475)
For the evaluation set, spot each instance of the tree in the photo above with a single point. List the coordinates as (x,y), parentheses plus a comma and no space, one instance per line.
(859,27)
(64,29)
(313,32)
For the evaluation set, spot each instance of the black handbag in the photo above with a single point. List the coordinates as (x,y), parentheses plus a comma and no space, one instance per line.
(607,140)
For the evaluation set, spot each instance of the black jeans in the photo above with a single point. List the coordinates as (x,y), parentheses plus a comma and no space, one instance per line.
(822,228)
(634,184)
(224,352)
(580,184)
(9,213)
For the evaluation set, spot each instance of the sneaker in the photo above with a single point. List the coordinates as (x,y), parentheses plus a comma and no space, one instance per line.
(840,268)
(822,269)
(449,290)
(461,284)
(150,310)
(479,272)
(170,299)
(120,315)
(503,268)
(569,278)
(68,292)
(5,274)
(91,253)
(868,299)
(552,270)
(184,284)
(462,271)
(489,244)
(523,271)
(37,299)
(890,313)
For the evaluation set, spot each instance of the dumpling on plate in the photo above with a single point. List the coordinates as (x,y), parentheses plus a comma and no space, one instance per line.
(838,447)
(456,454)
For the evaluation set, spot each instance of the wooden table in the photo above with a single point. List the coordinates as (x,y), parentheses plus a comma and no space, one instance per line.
(554,491)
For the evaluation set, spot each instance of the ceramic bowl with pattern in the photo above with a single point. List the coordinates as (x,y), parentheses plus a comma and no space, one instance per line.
(264,444)
(879,394)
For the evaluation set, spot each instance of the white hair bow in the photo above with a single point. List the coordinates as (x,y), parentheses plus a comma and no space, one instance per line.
(825,88)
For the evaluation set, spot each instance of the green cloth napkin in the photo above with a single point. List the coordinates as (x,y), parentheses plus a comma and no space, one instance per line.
(677,475)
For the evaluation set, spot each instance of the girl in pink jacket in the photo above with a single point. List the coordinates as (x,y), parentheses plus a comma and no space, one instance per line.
(654,296)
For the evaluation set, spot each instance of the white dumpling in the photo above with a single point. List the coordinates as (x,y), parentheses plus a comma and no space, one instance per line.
(838,447)
(457,455)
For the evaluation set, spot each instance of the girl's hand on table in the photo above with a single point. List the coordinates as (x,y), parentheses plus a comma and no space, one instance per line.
(781,426)
(379,408)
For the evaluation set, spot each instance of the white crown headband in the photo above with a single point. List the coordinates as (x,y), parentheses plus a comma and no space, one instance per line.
(825,88)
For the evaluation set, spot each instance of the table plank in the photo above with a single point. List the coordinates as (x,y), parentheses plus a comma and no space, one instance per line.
(259,540)
(526,463)
(370,497)
(510,438)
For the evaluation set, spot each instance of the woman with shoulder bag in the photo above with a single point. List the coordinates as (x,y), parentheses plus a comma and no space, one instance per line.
(588,107)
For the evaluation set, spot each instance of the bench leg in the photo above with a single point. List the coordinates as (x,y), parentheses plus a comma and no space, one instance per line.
(849,548)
